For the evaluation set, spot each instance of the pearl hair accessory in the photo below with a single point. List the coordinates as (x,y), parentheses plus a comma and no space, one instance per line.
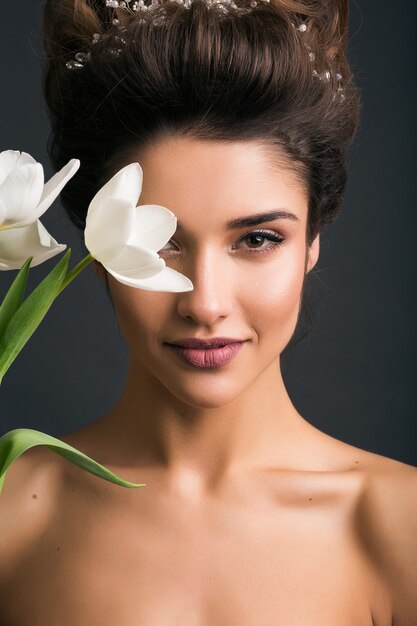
(139,7)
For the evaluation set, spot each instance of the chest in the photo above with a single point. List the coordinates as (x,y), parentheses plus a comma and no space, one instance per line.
(165,567)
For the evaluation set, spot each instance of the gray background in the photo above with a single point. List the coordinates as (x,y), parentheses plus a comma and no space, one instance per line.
(354,376)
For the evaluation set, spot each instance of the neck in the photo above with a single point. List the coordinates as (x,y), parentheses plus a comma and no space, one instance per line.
(199,446)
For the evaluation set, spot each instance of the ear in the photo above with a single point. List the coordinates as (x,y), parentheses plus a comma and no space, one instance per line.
(313,253)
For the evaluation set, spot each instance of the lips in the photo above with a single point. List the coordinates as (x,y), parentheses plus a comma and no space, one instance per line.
(205,344)
(209,357)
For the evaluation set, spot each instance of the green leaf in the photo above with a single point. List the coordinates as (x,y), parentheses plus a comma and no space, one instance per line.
(30,314)
(14,297)
(17,441)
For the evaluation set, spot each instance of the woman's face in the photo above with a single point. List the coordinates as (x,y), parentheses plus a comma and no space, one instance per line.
(246,286)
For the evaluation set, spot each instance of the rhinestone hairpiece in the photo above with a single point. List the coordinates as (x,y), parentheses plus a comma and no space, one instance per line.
(139,6)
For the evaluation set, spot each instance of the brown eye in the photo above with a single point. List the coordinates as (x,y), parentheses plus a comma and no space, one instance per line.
(257,236)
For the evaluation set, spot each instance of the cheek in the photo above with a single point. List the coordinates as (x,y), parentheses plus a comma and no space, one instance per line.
(140,314)
(274,299)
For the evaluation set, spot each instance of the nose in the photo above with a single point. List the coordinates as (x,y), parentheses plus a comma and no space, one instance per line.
(213,295)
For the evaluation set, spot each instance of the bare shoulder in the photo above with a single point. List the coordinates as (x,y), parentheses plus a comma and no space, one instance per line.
(26,503)
(385,519)
(388,520)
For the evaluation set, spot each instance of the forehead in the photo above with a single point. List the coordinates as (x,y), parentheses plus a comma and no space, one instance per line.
(212,180)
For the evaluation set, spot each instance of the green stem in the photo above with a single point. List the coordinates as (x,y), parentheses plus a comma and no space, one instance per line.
(75,271)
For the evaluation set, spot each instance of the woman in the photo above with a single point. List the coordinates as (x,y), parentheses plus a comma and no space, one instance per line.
(250,515)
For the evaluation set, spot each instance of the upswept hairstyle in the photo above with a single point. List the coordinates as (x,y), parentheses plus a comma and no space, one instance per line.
(203,75)
(206,75)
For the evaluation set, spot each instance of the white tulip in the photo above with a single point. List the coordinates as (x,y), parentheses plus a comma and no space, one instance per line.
(125,238)
(23,199)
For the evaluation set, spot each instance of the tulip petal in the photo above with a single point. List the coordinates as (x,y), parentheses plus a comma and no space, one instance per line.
(52,189)
(9,160)
(136,261)
(25,159)
(20,193)
(166,280)
(17,244)
(107,228)
(3,213)
(125,185)
(154,226)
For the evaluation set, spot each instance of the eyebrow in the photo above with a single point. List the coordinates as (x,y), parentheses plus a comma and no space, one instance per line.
(258,218)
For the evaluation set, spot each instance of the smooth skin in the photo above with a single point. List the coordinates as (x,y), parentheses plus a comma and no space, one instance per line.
(250,515)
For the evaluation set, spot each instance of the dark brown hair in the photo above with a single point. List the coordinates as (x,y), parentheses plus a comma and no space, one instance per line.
(205,75)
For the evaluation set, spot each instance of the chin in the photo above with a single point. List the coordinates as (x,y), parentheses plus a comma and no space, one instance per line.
(206,393)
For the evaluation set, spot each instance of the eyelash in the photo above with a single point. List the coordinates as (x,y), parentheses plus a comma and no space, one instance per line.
(277,240)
